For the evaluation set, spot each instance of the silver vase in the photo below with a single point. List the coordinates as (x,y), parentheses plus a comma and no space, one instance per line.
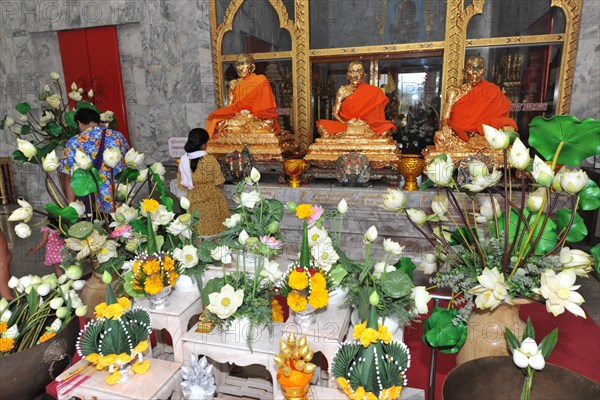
(160,300)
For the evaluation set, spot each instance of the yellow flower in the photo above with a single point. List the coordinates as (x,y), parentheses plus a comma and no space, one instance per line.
(298,280)
(107,360)
(93,358)
(141,367)
(296,301)
(137,266)
(3,327)
(113,378)
(141,346)
(304,211)
(360,393)
(6,344)
(394,392)
(318,298)
(384,334)
(153,284)
(124,358)
(359,329)
(173,278)
(368,336)
(371,396)
(99,310)
(168,263)
(149,205)
(124,302)
(277,311)
(344,385)
(113,311)
(318,282)
(47,336)
(151,267)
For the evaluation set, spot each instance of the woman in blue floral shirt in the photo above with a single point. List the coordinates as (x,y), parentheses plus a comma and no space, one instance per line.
(89,141)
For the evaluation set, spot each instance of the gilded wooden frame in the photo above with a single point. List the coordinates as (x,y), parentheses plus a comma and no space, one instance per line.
(454,46)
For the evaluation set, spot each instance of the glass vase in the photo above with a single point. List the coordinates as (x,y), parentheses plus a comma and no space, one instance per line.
(304,318)
(160,300)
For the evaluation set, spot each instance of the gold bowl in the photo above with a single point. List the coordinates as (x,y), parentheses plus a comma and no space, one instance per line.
(411,166)
(294,168)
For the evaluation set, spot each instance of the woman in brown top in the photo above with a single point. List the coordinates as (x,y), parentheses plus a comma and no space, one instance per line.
(201,175)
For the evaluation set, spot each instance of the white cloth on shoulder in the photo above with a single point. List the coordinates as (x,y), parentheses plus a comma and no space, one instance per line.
(184,167)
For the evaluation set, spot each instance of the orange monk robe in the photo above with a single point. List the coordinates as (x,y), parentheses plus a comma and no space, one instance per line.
(254,94)
(368,103)
(484,104)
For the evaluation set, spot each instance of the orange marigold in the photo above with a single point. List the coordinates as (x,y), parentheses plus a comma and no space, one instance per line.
(3,327)
(304,211)
(384,334)
(6,345)
(277,311)
(368,336)
(318,298)
(153,284)
(47,336)
(151,266)
(318,282)
(298,280)
(149,205)
(296,301)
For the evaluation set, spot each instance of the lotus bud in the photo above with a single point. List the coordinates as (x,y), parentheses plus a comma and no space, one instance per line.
(133,158)
(371,235)
(254,175)
(106,277)
(56,303)
(542,173)
(394,200)
(73,86)
(417,217)
(23,230)
(184,203)
(185,218)
(43,289)
(5,316)
(78,206)
(142,176)
(28,149)
(536,199)
(273,227)
(12,332)
(487,211)
(82,160)
(291,206)
(392,247)
(56,325)
(572,181)
(496,138)
(13,282)
(478,169)
(62,279)
(342,206)
(50,162)
(440,170)
(374,298)
(8,122)
(81,311)
(518,155)
(90,93)
(112,157)
(439,204)
(78,285)
(74,272)
(62,312)
(54,75)
(243,237)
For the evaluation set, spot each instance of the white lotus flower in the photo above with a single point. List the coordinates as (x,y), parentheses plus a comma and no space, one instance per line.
(50,162)
(371,235)
(271,271)
(142,176)
(581,262)
(250,199)
(56,303)
(55,326)
(439,205)
(23,213)
(243,237)
(46,117)
(316,235)
(221,253)
(518,155)
(107,116)
(491,290)
(572,181)
(480,183)
(254,176)
(184,202)
(8,122)
(536,199)
(81,310)
(542,173)
(54,75)
(418,217)
(158,168)
(440,171)
(429,264)
(85,247)
(477,168)
(342,206)
(324,254)
(179,228)
(487,212)
(26,148)
(123,215)
(232,221)
(187,256)
(162,216)
(112,157)
(497,139)
(82,160)
(382,267)
(529,354)
(23,117)
(421,297)
(54,101)
(394,200)
(23,230)
(225,303)
(78,206)
(75,95)
(107,251)
(12,332)
(392,247)
(133,159)
(560,292)
(13,282)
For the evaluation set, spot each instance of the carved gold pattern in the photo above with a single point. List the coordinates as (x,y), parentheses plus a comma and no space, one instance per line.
(294,168)
(380,49)
(410,167)
(516,40)
(302,79)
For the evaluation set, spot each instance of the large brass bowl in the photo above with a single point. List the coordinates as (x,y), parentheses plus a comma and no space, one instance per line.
(410,167)
(294,168)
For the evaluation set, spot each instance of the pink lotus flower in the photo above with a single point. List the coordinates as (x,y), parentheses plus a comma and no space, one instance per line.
(271,242)
(122,230)
(317,211)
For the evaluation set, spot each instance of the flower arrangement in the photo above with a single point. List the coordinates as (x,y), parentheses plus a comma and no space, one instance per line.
(41,308)
(374,365)
(116,339)
(254,224)
(515,247)
(151,274)
(295,368)
(528,356)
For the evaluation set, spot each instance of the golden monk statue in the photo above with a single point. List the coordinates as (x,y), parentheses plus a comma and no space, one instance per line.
(359,125)
(249,119)
(357,104)
(468,107)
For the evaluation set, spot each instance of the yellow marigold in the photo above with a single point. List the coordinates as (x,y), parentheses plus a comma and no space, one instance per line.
(153,284)
(6,345)
(359,329)
(371,396)
(113,311)
(384,334)
(359,393)
(277,311)
(124,302)
(173,278)
(47,336)
(3,327)
(318,298)
(141,367)
(137,266)
(99,310)
(394,392)
(93,358)
(318,282)
(113,378)
(344,385)
(298,280)
(106,361)
(296,301)
(124,358)
(141,346)
(304,211)
(150,205)
(151,267)
(168,263)
(368,336)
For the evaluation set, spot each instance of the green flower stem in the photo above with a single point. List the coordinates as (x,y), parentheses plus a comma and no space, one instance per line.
(527,384)
(454,204)
(529,235)
(507,212)
(261,205)
(339,235)
(561,241)
(521,217)
(556,154)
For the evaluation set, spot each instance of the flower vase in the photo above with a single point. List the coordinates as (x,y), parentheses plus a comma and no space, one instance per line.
(294,387)
(187,284)
(295,392)
(304,318)
(247,261)
(486,331)
(160,300)
(94,291)
(338,295)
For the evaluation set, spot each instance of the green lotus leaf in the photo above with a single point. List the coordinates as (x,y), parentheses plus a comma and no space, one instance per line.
(578,230)
(589,197)
(86,104)
(68,212)
(54,129)
(213,286)
(396,284)
(83,182)
(596,253)
(25,129)
(548,238)
(440,332)
(275,209)
(337,274)
(406,265)
(69,118)
(23,108)
(581,139)
(127,175)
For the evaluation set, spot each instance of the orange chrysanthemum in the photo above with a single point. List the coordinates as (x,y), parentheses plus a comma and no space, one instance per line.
(6,345)
(304,211)
(3,327)
(298,280)
(318,298)
(296,301)
(149,205)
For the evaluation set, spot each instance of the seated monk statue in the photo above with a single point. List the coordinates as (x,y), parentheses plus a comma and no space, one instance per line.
(468,107)
(357,104)
(251,104)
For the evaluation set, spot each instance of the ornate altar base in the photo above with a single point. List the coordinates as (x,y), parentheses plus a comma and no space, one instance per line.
(387,175)
(265,147)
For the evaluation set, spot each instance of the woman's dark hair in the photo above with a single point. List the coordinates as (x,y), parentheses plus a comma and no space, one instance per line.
(87,115)
(196,139)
